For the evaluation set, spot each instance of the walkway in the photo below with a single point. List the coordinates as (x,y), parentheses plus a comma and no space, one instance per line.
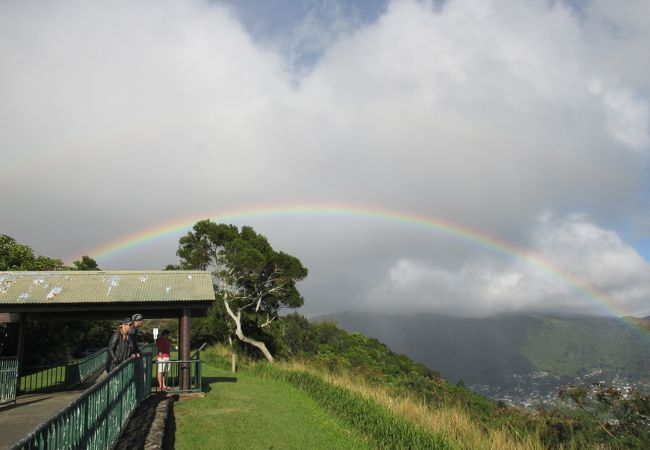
(31,410)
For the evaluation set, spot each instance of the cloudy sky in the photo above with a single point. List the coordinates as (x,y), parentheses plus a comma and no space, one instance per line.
(525,120)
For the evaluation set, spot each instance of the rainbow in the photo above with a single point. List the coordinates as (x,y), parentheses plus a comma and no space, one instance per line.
(458,231)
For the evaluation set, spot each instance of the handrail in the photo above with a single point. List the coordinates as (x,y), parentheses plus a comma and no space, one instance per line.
(61,376)
(91,363)
(174,371)
(96,418)
(8,378)
(197,353)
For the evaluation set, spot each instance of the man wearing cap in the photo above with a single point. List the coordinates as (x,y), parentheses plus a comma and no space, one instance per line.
(119,345)
(133,334)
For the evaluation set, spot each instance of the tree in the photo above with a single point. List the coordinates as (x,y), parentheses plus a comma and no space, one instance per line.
(623,415)
(252,279)
(15,256)
(86,263)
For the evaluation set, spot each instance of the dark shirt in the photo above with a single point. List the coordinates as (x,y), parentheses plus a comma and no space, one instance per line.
(133,335)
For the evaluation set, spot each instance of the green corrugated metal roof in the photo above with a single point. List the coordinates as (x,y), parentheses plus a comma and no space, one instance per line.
(40,288)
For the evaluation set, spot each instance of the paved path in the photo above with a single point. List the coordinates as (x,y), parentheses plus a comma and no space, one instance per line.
(31,410)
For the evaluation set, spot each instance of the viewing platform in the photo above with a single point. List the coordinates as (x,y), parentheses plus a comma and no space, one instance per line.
(33,409)
(91,414)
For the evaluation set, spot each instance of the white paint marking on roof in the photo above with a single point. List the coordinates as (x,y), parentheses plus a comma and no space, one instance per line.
(55,291)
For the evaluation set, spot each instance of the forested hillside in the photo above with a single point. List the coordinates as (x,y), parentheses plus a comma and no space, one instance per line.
(367,386)
(486,350)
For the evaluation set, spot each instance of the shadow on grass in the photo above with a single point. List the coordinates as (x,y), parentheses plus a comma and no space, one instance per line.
(169,439)
(207,381)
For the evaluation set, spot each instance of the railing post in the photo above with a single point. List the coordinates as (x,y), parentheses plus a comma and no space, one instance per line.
(22,333)
(184,349)
(8,380)
(199,375)
(72,375)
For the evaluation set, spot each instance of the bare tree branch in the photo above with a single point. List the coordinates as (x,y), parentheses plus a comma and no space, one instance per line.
(268,321)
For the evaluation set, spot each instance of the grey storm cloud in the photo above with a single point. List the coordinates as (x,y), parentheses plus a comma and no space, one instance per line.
(527,120)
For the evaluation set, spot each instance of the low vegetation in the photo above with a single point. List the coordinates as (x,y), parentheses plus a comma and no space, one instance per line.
(385,419)
(396,403)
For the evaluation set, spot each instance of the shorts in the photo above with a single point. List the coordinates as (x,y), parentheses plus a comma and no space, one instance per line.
(162,365)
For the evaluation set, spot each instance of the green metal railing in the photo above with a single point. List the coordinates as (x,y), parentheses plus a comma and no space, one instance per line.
(175,370)
(97,417)
(86,367)
(60,376)
(8,377)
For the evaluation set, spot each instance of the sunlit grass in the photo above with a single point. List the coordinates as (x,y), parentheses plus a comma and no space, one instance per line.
(350,398)
(450,420)
(243,411)
(42,379)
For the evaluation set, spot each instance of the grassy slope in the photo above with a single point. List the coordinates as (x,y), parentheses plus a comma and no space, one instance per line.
(255,413)
(339,411)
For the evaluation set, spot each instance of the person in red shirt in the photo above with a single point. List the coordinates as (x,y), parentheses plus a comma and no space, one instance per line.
(164,349)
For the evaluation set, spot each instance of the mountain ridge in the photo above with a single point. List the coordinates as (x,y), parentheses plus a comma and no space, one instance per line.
(492,348)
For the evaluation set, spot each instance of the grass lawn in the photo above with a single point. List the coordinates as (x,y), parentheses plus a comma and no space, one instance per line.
(255,413)
(43,379)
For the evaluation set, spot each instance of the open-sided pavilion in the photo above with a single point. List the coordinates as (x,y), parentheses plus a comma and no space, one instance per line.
(105,295)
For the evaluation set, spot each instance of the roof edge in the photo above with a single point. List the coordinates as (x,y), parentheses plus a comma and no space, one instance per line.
(100,272)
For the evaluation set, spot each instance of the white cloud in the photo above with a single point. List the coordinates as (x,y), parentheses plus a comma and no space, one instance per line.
(576,267)
(627,118)
(483,113)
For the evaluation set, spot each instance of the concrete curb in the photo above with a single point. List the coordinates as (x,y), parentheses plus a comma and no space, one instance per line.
(156,436)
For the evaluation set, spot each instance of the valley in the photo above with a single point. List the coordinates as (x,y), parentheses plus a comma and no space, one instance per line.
(521,360)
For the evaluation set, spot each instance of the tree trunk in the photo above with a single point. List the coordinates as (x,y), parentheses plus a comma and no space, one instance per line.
(240,334)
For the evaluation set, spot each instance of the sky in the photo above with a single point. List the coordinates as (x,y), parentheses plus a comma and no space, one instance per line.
(527,121)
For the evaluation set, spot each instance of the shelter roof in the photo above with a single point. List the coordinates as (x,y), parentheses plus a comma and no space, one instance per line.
(101,287)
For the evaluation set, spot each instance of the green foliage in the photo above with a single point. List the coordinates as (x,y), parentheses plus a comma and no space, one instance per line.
(86,263)
(212,329)
(199,249)
(333,349)
(298,336)
(568,346)
(623,418)
(15,256)
(253,280)
(244,261)
(490,349)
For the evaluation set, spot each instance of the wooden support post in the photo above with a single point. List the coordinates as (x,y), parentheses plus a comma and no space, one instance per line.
(22,333)
(184,348)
